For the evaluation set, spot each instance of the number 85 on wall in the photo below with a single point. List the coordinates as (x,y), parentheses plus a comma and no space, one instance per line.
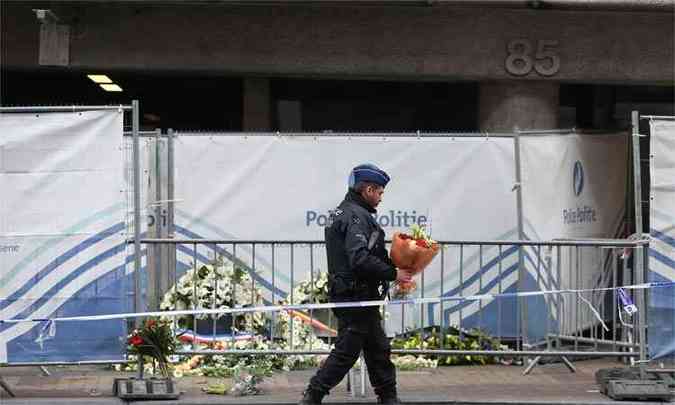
(522,58)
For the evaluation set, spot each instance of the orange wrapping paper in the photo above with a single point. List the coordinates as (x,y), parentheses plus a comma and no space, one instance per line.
(406,253)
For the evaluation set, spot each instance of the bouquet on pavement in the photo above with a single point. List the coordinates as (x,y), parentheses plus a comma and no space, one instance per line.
(412,251)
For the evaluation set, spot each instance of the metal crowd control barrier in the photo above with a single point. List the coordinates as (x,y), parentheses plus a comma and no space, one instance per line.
(133,111)
(577,280)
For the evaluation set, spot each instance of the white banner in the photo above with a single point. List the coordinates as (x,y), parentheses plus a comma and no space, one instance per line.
(282,187)
(662,201)
(662,231)
(574,187)
(61,232)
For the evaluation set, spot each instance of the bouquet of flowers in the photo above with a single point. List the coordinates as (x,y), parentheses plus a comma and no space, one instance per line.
(155,339)
(217,285)
(412,251)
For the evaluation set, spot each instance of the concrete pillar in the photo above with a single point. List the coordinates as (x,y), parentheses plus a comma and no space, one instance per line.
(289,115)
(504,106)
(257,104)
(602,107)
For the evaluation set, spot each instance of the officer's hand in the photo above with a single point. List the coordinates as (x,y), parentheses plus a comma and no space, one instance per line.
(404,275)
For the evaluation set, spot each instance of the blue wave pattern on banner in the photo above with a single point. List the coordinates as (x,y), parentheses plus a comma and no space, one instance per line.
(494,317)
(661,315)
(107,341)
(77,227)
(228,255)
(80,341)
(70,277)
(106,294)
(61,260)
(101,296)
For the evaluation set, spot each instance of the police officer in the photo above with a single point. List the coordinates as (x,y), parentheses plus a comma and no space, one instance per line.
(359,269)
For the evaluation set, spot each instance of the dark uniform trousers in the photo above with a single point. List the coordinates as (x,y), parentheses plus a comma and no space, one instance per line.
(359,329)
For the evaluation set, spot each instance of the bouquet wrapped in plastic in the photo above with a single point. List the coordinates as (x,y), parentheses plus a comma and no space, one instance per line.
(412,251)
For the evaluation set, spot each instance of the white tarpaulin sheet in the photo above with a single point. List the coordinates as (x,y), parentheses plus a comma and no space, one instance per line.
(574,187)
(662,230)
(282,187)
(61,233)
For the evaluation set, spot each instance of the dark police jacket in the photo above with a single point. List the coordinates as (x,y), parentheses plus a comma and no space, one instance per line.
(359,266)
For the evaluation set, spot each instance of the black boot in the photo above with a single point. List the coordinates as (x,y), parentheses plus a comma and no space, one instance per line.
(388,399)
(311,397)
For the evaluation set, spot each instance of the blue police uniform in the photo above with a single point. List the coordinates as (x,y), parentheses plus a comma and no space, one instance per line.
(359,268)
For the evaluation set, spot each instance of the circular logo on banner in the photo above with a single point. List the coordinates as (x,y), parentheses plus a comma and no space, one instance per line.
(578,178)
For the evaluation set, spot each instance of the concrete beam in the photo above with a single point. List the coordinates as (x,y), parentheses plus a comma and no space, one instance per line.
(663,6)
(407,43)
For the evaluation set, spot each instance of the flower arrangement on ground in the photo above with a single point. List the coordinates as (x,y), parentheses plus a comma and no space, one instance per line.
(222,285)
(216,286)
(450,338)
(154,340)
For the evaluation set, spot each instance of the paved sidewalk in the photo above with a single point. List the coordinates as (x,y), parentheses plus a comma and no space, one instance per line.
(494,384)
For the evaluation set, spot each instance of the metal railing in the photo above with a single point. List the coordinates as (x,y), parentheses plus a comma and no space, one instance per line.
(469,281)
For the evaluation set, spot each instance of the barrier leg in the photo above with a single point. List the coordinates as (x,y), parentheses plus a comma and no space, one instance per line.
(535,361)
(532,364)
(569,364)
(5,387)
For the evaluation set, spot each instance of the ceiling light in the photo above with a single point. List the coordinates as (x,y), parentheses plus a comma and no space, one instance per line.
(111,87)
(100,78)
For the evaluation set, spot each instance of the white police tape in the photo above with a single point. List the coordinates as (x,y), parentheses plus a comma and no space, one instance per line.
(351,304)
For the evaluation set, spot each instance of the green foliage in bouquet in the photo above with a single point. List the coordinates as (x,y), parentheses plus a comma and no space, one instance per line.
(453,339)
(155,339)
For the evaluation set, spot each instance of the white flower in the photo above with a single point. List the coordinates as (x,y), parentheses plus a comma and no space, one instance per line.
(203,292)
(167,303)
(186,278)
(184,289)
(221,272)
(223,286)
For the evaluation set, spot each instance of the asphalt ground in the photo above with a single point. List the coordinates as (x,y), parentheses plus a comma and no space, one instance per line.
(491,384)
